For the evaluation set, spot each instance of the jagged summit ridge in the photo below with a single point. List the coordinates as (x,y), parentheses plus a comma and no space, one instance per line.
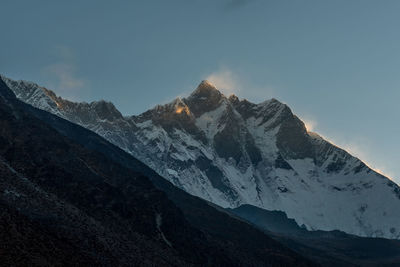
(43,98)
(232,152)
(204,88)
(205,98)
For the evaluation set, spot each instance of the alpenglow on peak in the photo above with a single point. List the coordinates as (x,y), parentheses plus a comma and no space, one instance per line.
(205,89)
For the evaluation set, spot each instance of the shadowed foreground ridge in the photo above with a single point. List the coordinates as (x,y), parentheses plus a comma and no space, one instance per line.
(64,200)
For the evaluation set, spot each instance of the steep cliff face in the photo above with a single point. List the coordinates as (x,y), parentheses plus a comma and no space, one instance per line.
(232,152)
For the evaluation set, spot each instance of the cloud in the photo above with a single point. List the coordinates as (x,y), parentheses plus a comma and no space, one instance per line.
(310,124)
(225,81)
(61,76)
(229,82)
(65,74)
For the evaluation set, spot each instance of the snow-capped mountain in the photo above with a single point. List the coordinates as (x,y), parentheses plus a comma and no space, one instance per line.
(234,152)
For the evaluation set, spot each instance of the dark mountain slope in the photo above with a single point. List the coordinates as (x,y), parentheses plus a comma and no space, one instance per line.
(332,248)
(101,208)
(26,243)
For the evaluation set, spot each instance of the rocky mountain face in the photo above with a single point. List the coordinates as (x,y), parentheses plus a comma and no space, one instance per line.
(70,198)
(232,152)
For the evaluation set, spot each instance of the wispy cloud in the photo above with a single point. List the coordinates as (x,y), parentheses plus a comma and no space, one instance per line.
(62,75)
(65,75)
(310,124)
(230,82)
(225,81)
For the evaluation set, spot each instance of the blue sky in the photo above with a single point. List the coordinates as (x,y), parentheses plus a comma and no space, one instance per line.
(335,63)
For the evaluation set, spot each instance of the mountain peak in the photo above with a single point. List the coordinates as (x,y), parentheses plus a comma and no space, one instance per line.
(206,83)
(234,99)
(206,89)
(205,98)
